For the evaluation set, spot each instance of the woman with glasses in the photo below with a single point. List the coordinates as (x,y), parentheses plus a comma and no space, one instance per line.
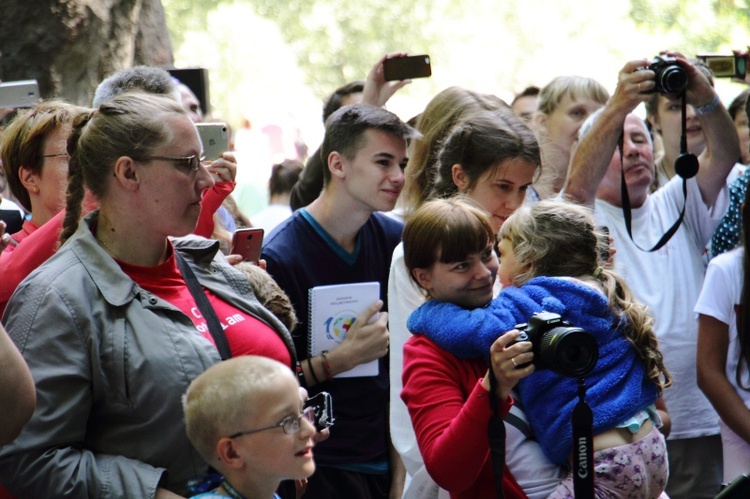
(39,138)
(35,160)
(109,327)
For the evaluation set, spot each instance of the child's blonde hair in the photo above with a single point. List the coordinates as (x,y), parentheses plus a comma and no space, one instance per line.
(560,239)
(222,399)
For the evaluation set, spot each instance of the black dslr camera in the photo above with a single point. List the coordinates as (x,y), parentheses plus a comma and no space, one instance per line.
(559,347)
(670,77)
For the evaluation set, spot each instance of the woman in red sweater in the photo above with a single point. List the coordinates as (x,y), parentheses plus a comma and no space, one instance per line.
(448,397)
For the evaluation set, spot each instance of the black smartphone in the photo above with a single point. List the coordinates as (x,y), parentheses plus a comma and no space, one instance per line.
(725,66)
(323,404)
(247,242)
(215,139)
(405,68)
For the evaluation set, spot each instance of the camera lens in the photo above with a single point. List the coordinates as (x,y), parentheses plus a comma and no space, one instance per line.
(671,79)
(568,351)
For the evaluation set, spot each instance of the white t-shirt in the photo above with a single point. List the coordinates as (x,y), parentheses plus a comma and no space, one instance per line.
(722,290)
(721,293)
(524,457)
(669,281)
(271,216)
(7,204)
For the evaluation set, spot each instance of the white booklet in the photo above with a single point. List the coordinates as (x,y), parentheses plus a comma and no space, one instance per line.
(331,312)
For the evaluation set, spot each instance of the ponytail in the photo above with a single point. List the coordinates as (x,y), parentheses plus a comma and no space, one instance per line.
(76,187)
(452,152)
(480,144)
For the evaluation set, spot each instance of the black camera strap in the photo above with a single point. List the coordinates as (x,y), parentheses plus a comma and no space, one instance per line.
(686,166)
(496,435)
(627,212)
(214,325)
(582,421)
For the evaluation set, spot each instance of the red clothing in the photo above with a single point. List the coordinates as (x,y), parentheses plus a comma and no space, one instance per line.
(450,412)
(28,228)
(212,200)
(33,251)
(40,244)
(37,244)
(245,334)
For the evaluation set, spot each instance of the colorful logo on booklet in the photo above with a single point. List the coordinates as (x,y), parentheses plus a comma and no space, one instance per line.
(338,325)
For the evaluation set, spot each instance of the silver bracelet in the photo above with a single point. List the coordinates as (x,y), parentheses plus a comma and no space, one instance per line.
(710,107)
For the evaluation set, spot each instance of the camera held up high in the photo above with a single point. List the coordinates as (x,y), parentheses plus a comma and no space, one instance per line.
(669,77)
(559,347)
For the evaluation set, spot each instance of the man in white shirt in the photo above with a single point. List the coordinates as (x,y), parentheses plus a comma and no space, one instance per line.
(668,280)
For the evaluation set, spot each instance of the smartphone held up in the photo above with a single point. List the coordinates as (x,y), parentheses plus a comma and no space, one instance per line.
(15,94)
(215,139)
(247,242)
(725,66)
(407,67)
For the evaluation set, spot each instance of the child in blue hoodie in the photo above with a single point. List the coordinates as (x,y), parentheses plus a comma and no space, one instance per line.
(549,262)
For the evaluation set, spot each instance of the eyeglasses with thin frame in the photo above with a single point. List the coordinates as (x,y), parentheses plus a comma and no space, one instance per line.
(289,424)
(187,163)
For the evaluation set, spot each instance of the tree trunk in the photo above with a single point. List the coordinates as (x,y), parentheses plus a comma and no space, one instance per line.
(69,46)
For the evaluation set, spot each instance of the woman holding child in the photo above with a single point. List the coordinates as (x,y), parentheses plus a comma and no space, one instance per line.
(108,326)
(487,153)
(549,261)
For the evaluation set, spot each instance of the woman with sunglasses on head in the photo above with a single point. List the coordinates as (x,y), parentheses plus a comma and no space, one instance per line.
(108,326)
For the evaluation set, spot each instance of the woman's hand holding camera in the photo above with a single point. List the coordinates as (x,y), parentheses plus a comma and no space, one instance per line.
(510,361)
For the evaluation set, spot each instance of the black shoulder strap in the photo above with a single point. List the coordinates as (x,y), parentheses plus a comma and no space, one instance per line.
(686,166)
(496,436)
(582,421)
(214,326)
(627,214)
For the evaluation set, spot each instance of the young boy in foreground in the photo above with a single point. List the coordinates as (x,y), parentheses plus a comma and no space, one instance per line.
(246,419)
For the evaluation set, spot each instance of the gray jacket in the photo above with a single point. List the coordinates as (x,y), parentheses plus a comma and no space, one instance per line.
(111,362)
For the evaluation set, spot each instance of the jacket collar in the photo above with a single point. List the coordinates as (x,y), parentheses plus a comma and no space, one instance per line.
(116,286)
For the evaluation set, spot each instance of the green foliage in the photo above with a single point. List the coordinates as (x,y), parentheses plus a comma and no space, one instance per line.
(490,46)
(184,16)
(335,41)
(704,26)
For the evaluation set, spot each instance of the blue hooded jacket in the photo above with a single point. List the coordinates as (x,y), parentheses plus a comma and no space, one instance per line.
(617,387)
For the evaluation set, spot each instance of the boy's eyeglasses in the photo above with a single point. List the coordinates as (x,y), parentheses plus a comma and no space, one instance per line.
(186,163)
(289,424)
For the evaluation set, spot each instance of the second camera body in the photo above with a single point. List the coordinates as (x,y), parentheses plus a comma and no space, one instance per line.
(558,346)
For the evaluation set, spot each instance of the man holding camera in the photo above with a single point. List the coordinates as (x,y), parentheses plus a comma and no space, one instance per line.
(667,280)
